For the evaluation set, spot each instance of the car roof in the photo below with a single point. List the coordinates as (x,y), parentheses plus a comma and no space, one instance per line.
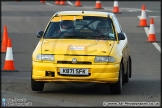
(85,13)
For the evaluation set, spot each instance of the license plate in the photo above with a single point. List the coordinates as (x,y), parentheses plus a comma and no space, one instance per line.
(72,71)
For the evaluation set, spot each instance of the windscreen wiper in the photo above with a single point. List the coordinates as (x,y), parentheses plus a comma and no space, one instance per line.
(102,37)
(65,36)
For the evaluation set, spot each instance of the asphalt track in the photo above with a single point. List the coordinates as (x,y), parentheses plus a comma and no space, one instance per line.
(23,19)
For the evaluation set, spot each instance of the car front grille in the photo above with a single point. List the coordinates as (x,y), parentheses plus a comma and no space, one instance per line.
(69,62)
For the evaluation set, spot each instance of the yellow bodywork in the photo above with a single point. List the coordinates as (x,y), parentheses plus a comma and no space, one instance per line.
(99,72)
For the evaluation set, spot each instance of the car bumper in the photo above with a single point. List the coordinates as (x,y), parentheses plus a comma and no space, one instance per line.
(98,73)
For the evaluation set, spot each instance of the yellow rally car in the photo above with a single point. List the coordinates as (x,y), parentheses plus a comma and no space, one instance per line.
(82,46)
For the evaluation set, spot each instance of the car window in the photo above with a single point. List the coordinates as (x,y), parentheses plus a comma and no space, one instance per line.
(86,27)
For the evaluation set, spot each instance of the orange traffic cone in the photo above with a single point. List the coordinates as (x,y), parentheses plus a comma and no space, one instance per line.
(9,63)
(152,37)
(78,3)
(57,2)
(143,21)
(62,2)
(115,8)
(42,1)
(98,5)
(4,40)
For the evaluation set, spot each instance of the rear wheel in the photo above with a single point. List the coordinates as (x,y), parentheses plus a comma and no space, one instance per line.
(36,85)
(117,87)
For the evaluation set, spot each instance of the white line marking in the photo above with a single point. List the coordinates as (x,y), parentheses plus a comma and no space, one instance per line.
(52,102)
(154,16)
(154,43)
(132,10)
(49,4)
(70,3)
(135,9)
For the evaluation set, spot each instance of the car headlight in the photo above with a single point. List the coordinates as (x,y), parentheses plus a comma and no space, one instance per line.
(46,57)
(104,59)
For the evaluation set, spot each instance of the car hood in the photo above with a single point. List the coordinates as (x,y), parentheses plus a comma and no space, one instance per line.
(76,47)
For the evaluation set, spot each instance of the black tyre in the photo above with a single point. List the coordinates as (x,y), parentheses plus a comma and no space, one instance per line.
(36,85)
(117,87)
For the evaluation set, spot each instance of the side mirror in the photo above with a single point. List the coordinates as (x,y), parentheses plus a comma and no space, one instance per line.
(40,34)
(121,36)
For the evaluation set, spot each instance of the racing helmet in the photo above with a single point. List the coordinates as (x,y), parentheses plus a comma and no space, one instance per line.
(66,26)
(103,27)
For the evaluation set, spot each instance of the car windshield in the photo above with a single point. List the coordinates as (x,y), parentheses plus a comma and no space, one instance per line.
(84,27)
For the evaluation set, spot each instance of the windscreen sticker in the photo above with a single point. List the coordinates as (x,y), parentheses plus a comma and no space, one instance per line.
(76,48)
(58,18)
(111,35)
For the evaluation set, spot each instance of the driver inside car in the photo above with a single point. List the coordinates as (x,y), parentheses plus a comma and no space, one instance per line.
(103,28)
(66,28)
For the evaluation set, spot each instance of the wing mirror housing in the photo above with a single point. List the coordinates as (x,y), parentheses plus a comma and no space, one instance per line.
(40,34)
(121,36)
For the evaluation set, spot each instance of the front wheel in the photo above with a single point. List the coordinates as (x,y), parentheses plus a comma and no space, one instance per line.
(117,87)
(36,85)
